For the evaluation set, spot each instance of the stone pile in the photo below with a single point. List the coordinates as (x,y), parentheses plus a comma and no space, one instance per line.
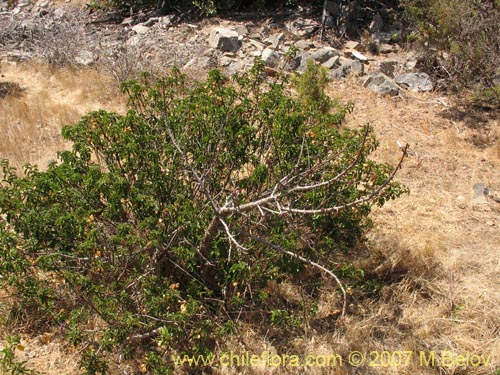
(232,47)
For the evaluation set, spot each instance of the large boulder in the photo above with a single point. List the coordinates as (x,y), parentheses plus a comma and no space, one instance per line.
(224,39)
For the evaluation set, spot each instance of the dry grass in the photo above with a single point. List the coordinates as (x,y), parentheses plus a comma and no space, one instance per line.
(31,122)
(437,249)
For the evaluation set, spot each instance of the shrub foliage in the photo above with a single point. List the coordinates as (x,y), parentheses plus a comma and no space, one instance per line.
(162,228)
(469,32)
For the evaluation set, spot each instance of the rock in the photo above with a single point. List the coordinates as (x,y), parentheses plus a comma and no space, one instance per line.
(324,54)
(304,44)
(275,40)
(224,39)
(85,58)
(346,67)
(321,56)
(377,24)
(42,4)
(357,68)
(415,81)
(388,67)
(388,48)
(59,13)
(381,84)
(241,30)
(134,41)
(302,27)
(481,193)
(259,45)
(201,63)
(270,57)
(140,29)
(351,44)
(226,61)
(332,62)
(357,55)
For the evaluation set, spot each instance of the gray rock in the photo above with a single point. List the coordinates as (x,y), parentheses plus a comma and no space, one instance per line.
(388,68)
(415,81)
(241,30)
(59,13)
(224,39)
(340,72)
(270,57)
(481,193)
(332,63)
(275,40)
(358,56)
(324,54)
(388,48)
(140,28)
(85,58)
(381,84)
(43,4)
(357,68)
(302,27)
(351,44)
(343,67)
(201,63)
(304,44)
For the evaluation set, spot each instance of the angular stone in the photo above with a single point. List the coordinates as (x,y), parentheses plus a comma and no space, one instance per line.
(332,63)
(324,54)
(201,63)
(270,57)
(388,48)
(381,84)
(415,81)
(351,44)
(224,39)
(304,44)
(275,40)
(358,56)
(140,29)
(357,68)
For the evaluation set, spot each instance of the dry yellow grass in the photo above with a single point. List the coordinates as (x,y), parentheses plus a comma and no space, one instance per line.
(438,249)
(30,123)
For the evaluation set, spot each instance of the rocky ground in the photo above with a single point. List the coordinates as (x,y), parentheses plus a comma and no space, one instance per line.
(68,33)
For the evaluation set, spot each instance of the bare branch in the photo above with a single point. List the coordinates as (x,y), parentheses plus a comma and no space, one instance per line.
(305,260)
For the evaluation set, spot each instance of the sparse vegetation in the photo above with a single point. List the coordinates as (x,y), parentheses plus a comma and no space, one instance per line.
(162,229)
(461,40)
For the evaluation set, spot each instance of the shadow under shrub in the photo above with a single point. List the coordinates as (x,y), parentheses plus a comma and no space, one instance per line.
(164,227)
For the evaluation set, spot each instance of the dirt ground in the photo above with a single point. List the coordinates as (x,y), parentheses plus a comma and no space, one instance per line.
(441,238)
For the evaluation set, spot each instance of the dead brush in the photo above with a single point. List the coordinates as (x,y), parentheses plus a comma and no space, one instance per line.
(10,89)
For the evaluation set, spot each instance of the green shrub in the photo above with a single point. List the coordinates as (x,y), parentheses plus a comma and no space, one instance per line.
(162,228)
